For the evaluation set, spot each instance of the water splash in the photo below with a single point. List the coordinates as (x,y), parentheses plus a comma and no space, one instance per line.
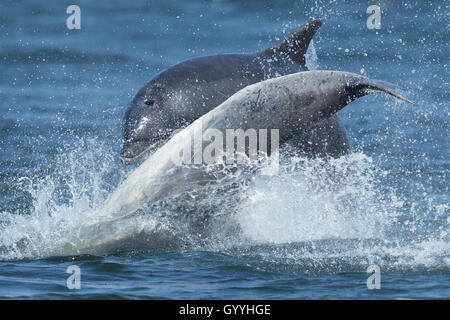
(323,215)
(340,215)
(317,199)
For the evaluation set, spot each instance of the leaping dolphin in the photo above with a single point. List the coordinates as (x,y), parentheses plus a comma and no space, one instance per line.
(186,91)
(294,104)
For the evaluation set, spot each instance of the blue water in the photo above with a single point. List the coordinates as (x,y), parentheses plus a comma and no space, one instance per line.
(308,233)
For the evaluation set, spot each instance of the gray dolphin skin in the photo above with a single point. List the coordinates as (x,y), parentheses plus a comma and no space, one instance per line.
(183,93)
(292,104)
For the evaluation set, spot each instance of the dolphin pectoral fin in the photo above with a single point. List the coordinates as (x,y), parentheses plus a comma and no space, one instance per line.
(296,44)
(366,86)
(388,88)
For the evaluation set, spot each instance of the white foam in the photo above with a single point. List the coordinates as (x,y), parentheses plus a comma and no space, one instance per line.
(308,202)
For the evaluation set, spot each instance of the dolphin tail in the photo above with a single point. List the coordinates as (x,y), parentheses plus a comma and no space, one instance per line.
(296,44)
(366,86)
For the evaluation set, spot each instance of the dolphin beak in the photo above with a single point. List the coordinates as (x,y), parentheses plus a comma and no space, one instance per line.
(126,156)
(126,161)
(134,151)
(131,151)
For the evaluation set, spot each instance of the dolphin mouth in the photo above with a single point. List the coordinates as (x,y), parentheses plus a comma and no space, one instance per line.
(129,156)
(127,161)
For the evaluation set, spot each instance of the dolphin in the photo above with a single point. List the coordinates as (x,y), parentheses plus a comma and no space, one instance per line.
(183,93)
(293,104)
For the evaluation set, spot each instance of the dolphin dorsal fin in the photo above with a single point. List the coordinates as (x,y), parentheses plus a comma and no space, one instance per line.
(296,44)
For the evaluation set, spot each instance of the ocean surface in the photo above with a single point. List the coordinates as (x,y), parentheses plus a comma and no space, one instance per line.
(309,232)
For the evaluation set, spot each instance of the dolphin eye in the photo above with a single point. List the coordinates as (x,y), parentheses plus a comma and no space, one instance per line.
(149,102)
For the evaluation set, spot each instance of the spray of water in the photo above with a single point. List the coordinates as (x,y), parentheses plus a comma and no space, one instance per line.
(313,214)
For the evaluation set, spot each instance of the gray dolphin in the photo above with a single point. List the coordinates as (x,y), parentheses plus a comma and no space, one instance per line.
(292,104)
(183,93)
